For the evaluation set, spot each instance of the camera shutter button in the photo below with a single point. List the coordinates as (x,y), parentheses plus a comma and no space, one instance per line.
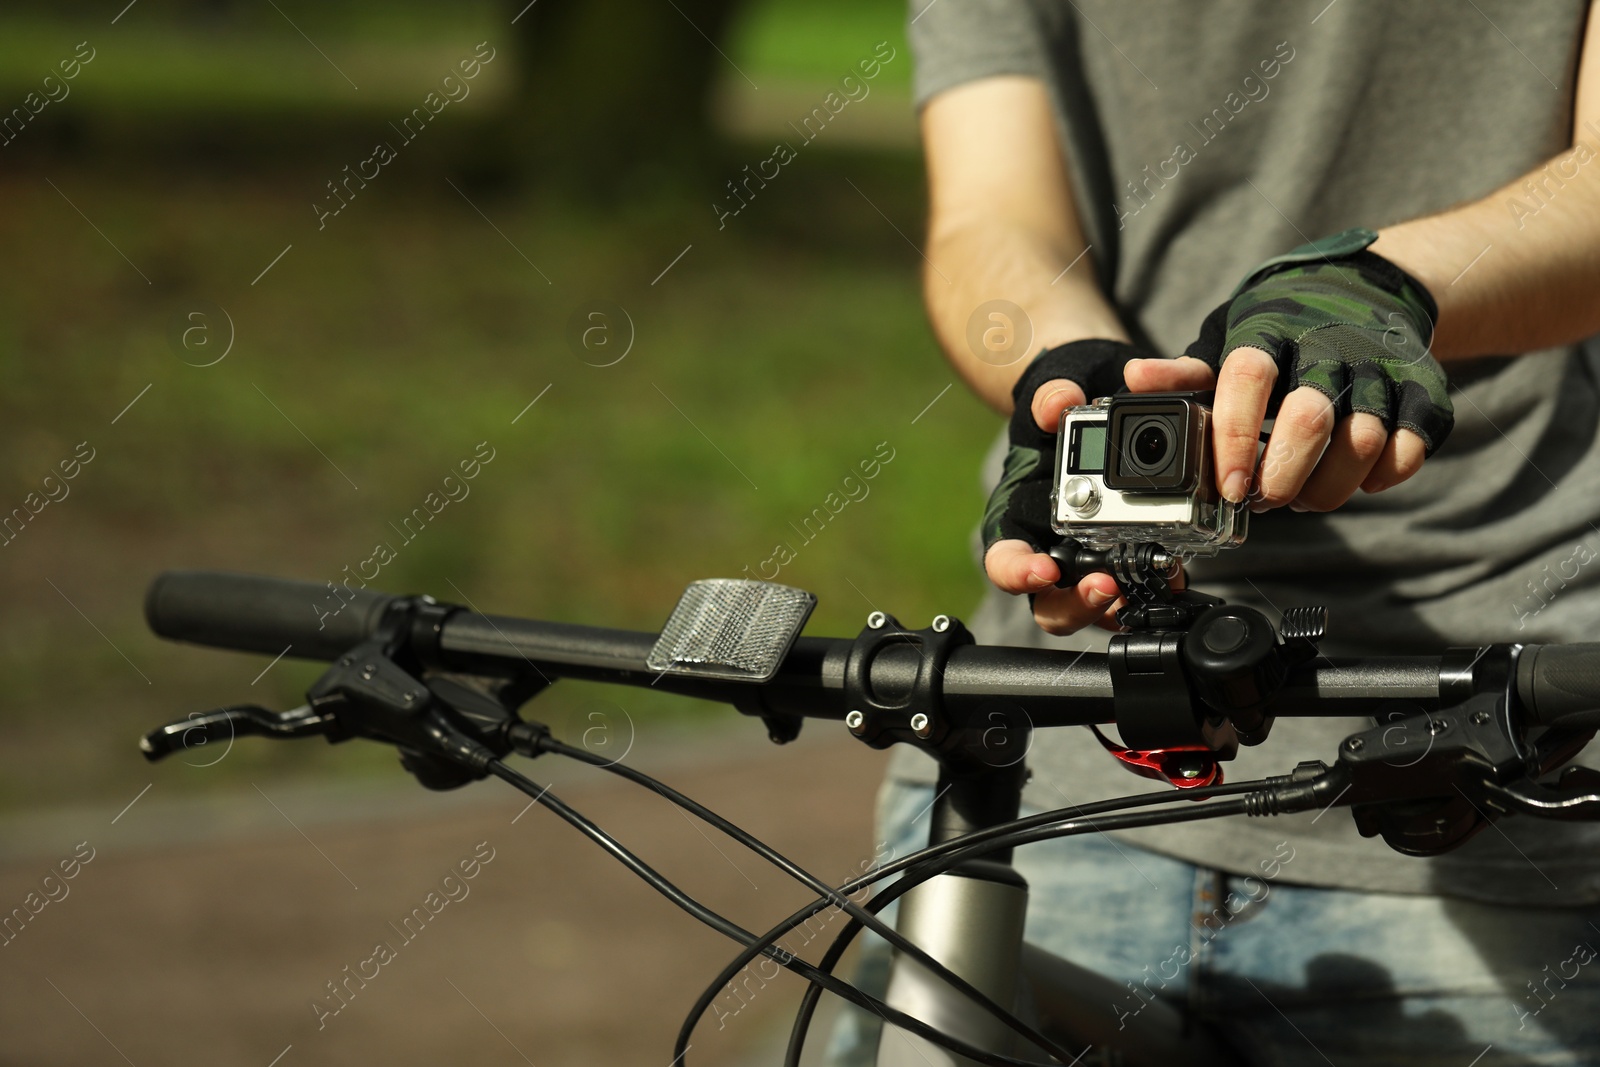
(1079,495)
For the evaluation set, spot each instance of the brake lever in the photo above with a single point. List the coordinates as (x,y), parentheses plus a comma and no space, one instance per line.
(223,724)
(1575,797)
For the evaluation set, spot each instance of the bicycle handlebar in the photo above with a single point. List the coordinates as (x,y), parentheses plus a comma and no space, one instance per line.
(449,734)
(930,687)
(273,615)
(1060,688)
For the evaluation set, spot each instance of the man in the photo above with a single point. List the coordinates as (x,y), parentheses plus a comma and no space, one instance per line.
(1113,170)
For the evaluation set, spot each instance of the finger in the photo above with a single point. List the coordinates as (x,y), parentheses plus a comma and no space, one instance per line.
(1300,433)
(1402,457)
(1108,617)
(1054,397)
(1356,445)
(1065,611)
(1014,567)
(1168,375)
(1244,385)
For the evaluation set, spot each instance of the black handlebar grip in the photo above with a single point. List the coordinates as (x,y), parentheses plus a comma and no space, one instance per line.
(251,613)
(1559,682)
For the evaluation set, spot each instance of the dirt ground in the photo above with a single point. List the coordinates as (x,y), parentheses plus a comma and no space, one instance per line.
(201,931)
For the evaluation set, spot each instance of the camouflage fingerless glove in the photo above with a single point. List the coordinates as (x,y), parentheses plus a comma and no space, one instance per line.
(1346,322)
(1019,507)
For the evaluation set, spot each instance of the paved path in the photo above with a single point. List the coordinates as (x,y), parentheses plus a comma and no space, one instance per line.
(202,930)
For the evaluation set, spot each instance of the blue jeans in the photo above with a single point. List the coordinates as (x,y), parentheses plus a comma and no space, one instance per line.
(1291,974)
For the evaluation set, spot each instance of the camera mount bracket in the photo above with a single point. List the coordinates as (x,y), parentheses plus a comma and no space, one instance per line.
(1144,572)
(1197,673)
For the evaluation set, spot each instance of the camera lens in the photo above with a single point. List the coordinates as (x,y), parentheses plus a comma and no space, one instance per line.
(1154,446)
(1151,444)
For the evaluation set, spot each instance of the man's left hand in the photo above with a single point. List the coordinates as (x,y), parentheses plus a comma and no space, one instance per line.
(1334,340)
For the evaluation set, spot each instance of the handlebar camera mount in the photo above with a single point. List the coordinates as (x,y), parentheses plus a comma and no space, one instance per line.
(1193,675)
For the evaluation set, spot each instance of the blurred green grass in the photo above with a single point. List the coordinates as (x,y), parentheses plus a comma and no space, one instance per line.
(818,40)
(251,59)
(779,351)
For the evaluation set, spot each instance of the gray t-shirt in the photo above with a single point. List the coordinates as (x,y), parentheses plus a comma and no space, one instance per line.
(1203,138)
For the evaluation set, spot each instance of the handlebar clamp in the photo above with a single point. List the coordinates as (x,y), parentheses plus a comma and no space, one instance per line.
(910,708)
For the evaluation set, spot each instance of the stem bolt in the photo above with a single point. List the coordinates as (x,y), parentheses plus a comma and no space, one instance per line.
(1479,718)
(876,620)
(855,720)
(941,623)
(1355,744)
(920,725)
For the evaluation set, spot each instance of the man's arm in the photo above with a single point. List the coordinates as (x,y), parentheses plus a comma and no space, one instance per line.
(1003,225)
(1507,280)
(1518,270)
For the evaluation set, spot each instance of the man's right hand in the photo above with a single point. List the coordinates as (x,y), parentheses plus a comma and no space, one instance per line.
(1016,525)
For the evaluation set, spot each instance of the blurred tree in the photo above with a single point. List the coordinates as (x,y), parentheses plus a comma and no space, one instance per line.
(614,95)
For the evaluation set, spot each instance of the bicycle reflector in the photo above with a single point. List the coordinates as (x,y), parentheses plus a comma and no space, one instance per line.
(731,628)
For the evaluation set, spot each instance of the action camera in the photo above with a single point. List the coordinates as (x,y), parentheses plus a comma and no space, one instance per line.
(1138,468)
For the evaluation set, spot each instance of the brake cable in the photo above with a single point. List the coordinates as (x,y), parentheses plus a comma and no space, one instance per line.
(542,796)
(948,848)
(1066,828)
(816,885)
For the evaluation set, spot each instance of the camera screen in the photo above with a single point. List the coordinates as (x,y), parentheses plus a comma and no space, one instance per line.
(1088,448)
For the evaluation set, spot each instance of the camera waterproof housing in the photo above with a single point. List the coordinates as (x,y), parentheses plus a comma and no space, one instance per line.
(1138,468)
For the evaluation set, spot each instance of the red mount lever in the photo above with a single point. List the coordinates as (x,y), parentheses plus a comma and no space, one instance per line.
(1183,766)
